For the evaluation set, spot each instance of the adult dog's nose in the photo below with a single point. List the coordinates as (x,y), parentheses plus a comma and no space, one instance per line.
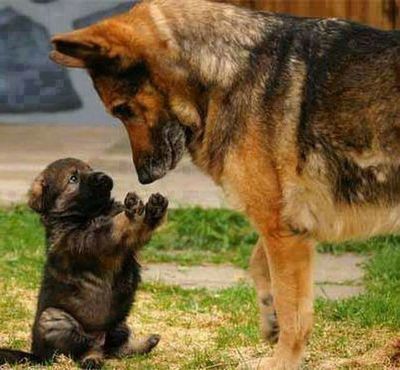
(144,176)
(147,176)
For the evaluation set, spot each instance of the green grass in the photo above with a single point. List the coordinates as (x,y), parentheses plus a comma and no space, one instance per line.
(379,305)
(365,247)
(196,235)
(205,328)
(21,246)
(191,236)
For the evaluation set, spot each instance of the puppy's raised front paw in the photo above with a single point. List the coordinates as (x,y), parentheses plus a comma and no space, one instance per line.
(133,205)
(156,208)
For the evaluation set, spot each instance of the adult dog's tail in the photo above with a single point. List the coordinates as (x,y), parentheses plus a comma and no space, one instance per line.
(9,356)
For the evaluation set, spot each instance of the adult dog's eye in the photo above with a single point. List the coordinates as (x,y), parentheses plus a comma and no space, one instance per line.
(73,179)
(123,111)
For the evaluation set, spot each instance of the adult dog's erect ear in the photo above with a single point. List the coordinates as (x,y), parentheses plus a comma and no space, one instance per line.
(36,196)
(80,48)
(70,53)
(103,41)
(127,38)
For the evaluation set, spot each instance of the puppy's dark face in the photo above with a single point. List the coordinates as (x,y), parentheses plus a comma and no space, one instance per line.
(70,186)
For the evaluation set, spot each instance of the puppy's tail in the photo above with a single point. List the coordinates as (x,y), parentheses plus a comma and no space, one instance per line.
(9,356)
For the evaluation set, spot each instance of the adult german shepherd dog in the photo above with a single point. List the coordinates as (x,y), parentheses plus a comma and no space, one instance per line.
(296,118)
(91,272)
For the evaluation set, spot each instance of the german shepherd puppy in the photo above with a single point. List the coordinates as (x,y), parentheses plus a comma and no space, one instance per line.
(298,119)
(91,273)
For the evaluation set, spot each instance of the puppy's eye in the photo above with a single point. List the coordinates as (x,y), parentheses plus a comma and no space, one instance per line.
(73,179)
(123,111)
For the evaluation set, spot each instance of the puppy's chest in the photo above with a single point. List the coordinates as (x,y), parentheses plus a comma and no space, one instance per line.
(106,289)
(92,293)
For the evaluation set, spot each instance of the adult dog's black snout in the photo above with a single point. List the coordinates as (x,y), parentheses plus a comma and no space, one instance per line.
(100,181)
(144,176)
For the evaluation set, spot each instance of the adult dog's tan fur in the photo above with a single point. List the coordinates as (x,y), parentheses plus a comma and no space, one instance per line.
(297,119)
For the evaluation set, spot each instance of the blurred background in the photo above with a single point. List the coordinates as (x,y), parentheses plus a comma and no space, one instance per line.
(47,112)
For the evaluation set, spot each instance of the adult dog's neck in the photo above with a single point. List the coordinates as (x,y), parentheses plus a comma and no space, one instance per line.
(213,46)
(213,40)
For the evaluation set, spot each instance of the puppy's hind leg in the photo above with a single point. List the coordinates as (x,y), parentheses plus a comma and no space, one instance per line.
(93,359)
(57,332)
(121,343)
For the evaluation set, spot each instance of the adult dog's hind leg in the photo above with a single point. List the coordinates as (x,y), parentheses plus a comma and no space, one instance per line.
(259,271)
(121,343)
(60,333)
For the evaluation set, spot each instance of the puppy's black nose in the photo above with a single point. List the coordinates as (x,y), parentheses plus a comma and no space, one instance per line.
(101,181)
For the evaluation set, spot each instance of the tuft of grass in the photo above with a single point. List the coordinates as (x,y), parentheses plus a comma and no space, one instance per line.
(365,247)
(195,235)
(21,246)
(379,305)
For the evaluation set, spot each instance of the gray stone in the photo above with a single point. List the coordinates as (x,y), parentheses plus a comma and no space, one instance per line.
(339,269)
(97,16)
(333,292)
(344,284)
(29,81)
(207,276)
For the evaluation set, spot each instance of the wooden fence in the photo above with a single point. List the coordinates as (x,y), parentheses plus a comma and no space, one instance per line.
(383,14)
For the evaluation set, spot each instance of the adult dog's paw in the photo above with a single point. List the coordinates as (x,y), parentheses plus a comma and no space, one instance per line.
(156,209)
(133,205)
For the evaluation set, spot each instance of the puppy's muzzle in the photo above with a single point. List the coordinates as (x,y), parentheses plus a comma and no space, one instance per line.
(100,182)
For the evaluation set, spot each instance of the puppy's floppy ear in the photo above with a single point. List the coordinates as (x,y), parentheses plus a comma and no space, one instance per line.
(37,196)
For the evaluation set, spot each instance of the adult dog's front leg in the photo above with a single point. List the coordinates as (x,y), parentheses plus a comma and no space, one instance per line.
(290,261)
(259,271)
